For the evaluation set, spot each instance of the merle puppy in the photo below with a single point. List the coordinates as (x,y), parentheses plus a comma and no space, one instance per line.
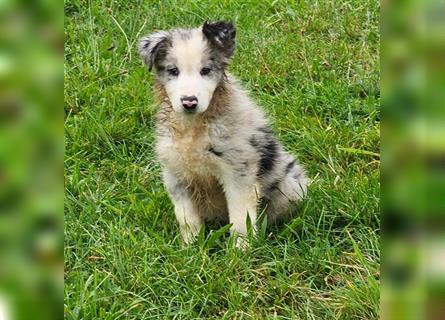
(219,158)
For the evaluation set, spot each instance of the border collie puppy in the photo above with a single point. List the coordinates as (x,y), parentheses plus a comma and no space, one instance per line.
(219,157)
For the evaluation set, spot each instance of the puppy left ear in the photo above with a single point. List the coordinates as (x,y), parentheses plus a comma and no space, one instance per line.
(153,47)
(221,34)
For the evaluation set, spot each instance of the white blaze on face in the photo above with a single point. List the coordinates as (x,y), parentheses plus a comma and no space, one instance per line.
(190,56)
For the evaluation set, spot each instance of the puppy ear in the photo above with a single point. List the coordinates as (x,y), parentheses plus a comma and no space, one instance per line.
(221,34)
(153,47)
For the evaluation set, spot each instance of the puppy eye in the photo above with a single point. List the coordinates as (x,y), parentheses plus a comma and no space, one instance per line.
(205,71)
(173,71)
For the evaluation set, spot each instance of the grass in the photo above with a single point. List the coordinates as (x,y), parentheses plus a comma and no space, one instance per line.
(314,68)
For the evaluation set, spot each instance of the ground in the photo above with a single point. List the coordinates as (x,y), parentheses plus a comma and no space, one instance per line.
(313,66)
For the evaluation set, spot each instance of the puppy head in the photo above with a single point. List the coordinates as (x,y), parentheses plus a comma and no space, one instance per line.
(190,63)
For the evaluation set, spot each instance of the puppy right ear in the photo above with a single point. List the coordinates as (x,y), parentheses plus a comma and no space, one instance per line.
(153,48)
(222,35)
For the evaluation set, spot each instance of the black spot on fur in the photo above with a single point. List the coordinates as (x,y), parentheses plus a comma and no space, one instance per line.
(216,153)
(268,153)
(268,157)
(253,142)
(289,166)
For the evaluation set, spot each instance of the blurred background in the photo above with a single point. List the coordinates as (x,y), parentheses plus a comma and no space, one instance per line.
(413,159)
(31,159)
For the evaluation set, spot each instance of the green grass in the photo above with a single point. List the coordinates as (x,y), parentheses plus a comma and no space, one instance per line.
(314,68)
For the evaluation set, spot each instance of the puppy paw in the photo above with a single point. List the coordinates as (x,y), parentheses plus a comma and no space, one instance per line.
(241,243)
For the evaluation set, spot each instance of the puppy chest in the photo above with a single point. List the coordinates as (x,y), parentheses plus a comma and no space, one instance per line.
(188,156)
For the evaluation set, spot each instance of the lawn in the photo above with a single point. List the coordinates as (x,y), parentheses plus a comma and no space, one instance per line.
(313,66)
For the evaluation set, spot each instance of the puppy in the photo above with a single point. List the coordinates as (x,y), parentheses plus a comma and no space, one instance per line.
(219,158)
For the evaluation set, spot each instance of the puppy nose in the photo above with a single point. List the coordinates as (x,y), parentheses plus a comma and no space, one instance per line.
(189,102)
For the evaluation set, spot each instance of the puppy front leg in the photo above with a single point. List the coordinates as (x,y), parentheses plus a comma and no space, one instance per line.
(242,201)
(189,220)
